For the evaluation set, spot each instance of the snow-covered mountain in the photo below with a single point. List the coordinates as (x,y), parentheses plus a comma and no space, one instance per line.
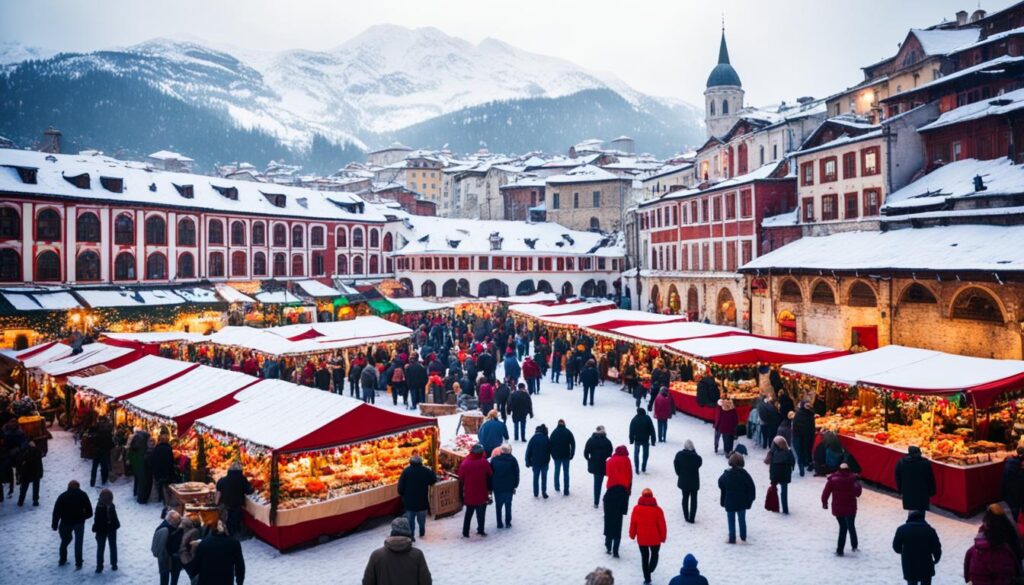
(363,91)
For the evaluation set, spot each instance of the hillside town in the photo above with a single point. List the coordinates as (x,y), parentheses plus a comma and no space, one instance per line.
(842,272)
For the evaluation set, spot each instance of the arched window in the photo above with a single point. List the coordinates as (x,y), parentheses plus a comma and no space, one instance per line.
(341,238)
(124,230)
(977,304)
(862,295)
(790,291)
(342,265)
(237,233)
(238,264)
(48,266)
(595,224)
(156,267)
(918,293)
(280,265)
(761,156)
(87,228)
(428,289)
(259,234)
(10,223)
(87,266)
(259,262)
(216,235)
(48,226)
(389,242)
(216,267)
(156,231)
(186,232)
(297,236)
(357,265)
(822,293)
(298,265)
(316,236)
(712,107)
(357,237)
(280,235)
(124,266)
(10,265)
(186,266)
(725,107)
(374,265)
(374,238)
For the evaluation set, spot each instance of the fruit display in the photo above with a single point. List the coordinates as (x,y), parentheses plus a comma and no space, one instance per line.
(461,444)
(745,390)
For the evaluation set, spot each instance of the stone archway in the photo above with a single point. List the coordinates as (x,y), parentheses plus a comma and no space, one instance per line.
(450,288)
(675,304)
(567,290)
(525,287)
(726,308)
(589,289)
(544,286)
(492,288)
(692,303)
(464,288)
(655,299)
(428,289)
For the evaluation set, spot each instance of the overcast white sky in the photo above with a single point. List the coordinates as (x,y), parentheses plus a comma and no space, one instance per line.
(782,49)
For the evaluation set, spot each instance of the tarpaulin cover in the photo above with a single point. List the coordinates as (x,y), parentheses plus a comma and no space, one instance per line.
(37,355)
(605,316)
(92,355)
(739,350)
(849,369)
(132,379)
(538,310)
(197,393)
(665,332)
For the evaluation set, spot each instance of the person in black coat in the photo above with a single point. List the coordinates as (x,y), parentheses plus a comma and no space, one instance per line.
(642,436)
(162,465)
(219,560)
(589,378)
(781,462)
(105,524)
(919,548)
(485,363)
(707,391)
(687,465)
(563,449)
(501,396)
(414,489)
(231,492)
(616,504)
(29,463)
(520,405)
(1013,482)
(504,482)
(597,451)
(538,457)
(770,419)
(416,379)
(102,443)
(70,512)
(915,480)
(803,436)
(737,495)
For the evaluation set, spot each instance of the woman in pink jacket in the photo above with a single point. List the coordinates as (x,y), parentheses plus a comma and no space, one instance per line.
(844,488)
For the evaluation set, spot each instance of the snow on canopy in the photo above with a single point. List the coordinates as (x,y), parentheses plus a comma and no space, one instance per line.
(955,247)
(140,297)
(232,294)
(312,338)
(149,337)
(279,415)
(748,349)
(279,297)
(849,369)
(40,299)
(667,332)
(37,355)
(537,297)
(598,317)
(540,311)
(956,180)
(128,380)
(418,304)
(93,354)
(317,289)
(198,392)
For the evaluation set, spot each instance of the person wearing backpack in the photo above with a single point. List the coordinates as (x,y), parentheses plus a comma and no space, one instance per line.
(166,546)
(398,385)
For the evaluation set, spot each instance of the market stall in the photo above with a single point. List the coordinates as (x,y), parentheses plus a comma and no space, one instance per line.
(139,309)
(955,408)
(100,394)
(169,344)
(321,294)
(656,334)
(531,313)
(537,297)
(321,463)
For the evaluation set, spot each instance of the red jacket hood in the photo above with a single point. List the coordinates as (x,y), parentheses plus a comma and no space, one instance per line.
(647,501)
(621,451)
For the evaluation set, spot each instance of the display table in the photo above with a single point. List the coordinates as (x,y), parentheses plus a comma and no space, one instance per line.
(687,403)
(962,489)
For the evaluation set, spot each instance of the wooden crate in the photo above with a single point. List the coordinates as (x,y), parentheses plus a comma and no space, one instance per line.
(429,409)
(471,422)
(449,460)
(445,499)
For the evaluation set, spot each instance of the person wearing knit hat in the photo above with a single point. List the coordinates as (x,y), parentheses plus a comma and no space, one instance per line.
(599,576)
(398,561)
(414,489)
(647,527)
(687,466)
(689,574)
(475,474)
(597,451)
(538,458)
(738,495)
(843,487)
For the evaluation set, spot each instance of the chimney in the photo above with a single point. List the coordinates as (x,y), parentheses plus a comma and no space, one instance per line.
(51,141)
(977,15)
(961,18)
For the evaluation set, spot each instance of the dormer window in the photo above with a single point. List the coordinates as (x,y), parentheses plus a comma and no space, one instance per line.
(496,240)
(112,184)
(454,243)
(185,191)
(276,199)
(303,202)
(228,192)
(81,181)
(569,239)
(28,175)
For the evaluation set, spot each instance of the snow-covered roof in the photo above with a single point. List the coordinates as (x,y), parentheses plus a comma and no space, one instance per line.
(989,39)
(722,347)
(93,354)
(142,185)
(673,331)
(956,180)
(942,41)
(666,170)
(997,106)
(583,174)
(190,391)
(37,355)
(438,235)
(541,311)
(278,297)
(312,338)
(317,289)
(525,181)
(156,336)
(789,218)
(599,317)
(848,369)
(130,378)
(997,62)
(40,299)
(955,247)
(758,174)
(129,298)
(169,155)
(232,295)
(417,304)
(537,297)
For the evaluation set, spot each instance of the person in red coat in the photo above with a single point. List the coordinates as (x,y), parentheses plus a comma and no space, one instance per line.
(844,488)
(664,408)
(726,421)
(474,478)
(619,470)
(647,528)
(993,560)
(532,375)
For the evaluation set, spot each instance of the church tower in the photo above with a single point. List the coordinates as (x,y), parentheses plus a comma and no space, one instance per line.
(723,96)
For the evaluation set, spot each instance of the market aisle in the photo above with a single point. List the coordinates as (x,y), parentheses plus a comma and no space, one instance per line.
(558,540)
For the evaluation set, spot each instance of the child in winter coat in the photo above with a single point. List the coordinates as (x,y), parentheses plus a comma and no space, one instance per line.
(647,528)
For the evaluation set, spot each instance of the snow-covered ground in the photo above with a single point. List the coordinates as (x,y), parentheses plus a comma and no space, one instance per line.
(558,540)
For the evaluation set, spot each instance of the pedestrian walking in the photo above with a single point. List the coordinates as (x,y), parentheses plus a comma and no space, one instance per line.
(416,379)
(589,378)
(492,433)
(768,412)
(485,394)
(191,535)
(597,451)
(532,375)
(219,559)
(993,559)
(781,461)
(414,489)
(232,490)
(689,574)
(915,480)
(647,528)
(29,463)
(563,449)
(844,488)
(70,512)
(512,369)
(398,562)
(687,465)
(618,469)
(803,436)
(538,457)
(102,444)
(137,448)
(368,383)
(664,408)
(399,386)
(104,525)
(919,548)
(642,436)
(737,496)
(474,479)
(726,421)
(616,505)
(163,468)
(520,405)
(501,396)
(504,483)
(166,546)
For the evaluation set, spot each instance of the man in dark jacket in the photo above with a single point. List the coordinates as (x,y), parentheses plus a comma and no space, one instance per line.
(770,419)
(70,512)
(219,559)
(322,377)
(687,465)
(642,436)
(520,405)
(502,392)
(803,436)
(737,496)
(29,463)
(231,492)
(102,444)
(919,548)
(354,373)
(538,457)
(414,489)
(915,480)
(597,451)
(485,363)
(563,449)
(162,464)
(707,391)
(368,384)
(589,378)
(416,378)
(1013,482)
(397,562)
(504,483)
